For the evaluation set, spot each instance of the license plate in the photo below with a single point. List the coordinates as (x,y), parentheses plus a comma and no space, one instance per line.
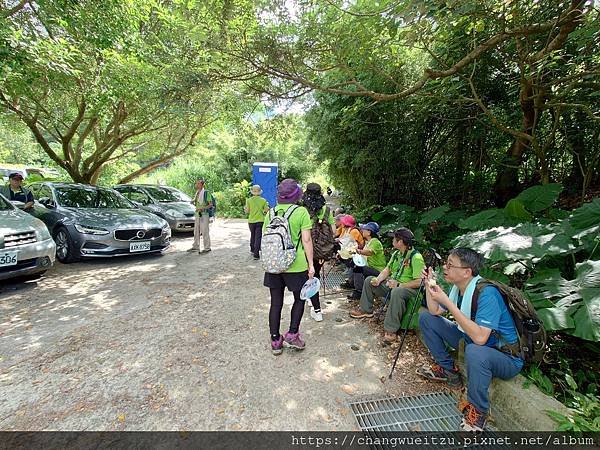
(8,259)
(141,246)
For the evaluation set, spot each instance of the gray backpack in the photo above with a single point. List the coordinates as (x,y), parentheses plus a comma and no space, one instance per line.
(277,251)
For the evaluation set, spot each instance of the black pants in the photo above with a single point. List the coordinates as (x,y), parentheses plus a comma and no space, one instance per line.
(277,306)
(359,274)
(314,300)
(255,237)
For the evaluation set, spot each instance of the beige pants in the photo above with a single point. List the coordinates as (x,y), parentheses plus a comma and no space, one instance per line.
(201,228)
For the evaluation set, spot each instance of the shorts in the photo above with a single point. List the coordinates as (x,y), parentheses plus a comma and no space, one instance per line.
(292,280)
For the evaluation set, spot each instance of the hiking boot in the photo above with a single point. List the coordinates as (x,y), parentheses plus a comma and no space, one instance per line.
(293,340)
(358,313)
(317,316)
(389,337)
(354,295)
(347,285)
(437,373)
(277,346)
(473,419)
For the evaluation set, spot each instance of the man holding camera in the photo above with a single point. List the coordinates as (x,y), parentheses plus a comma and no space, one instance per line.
(484,330)
(399,281)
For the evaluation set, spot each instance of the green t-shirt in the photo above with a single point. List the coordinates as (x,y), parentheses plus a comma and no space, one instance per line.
(412,269)
(256,208)
(377,259)
(330,219)
(299,220)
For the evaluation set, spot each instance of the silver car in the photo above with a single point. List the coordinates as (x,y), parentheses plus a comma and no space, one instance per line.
(169,203)
(26,247)
(91,221)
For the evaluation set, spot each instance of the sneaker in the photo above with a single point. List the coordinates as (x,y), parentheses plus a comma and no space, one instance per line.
(256,258)
(293,340)
(358,313)
(437,373)
(473,419)
(277,346)
(192,250)
(206,250)
(347,285)
(389,337)
(354,295)
(317,316)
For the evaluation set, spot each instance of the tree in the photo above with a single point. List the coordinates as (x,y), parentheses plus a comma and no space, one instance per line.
(338,48)
(107,81)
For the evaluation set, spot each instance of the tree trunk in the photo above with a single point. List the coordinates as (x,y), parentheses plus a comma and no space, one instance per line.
(507,184)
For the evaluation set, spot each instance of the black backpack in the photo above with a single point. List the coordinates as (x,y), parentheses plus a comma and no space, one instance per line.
(532,340)
(322,237)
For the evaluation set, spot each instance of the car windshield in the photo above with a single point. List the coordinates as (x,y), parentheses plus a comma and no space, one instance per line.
(88,197)
(164,195)
(4,205)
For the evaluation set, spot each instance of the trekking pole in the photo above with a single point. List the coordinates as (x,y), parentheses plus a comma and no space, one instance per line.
(432,260)
(415,305)
(386,299)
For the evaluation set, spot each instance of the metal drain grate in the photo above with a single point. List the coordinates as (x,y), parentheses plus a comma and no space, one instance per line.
(429,412)
(333,280)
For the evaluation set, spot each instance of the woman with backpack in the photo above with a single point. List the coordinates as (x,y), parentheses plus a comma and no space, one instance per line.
(296,274)
(319,212)
(373,250)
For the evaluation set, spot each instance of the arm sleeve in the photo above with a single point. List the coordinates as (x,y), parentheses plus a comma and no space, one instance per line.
(488,308)
(418,264)
(306,223)
(29,196)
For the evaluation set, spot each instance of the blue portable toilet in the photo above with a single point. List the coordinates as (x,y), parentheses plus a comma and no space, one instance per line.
(265,175)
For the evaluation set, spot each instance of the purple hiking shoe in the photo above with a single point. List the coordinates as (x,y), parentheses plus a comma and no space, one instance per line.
(277,346)
(293,340)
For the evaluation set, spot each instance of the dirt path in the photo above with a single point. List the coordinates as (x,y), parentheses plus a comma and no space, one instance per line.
(179,342)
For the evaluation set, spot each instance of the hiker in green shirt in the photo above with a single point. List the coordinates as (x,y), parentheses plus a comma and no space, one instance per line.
(373,251)
(402,276)
(256,207)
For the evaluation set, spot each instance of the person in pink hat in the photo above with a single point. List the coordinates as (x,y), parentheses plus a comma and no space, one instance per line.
(289,193)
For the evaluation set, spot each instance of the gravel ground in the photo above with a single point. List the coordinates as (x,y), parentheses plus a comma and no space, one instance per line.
(180,342)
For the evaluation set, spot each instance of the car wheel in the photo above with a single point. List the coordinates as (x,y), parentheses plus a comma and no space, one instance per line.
(65,251)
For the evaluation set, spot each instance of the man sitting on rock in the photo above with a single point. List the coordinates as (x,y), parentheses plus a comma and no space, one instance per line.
(492,327)
(403,275)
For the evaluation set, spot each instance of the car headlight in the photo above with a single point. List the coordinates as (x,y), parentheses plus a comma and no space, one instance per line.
(85,229)
(174,213)
(42,233)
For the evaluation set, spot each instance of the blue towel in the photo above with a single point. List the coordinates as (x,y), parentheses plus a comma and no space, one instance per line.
(465,306)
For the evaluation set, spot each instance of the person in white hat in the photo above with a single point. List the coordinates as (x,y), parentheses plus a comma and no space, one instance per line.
(256,208)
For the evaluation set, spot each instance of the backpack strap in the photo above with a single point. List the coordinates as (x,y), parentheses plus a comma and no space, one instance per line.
(505,347)
(400,271)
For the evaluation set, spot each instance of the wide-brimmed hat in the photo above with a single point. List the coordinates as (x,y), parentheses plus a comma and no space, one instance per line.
(16,175)
(256,189)
(288,191)
(373,227)
(348,221)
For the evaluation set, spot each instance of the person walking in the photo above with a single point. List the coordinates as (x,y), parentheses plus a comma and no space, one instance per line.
(256,207)
(314,202)
(300,225)
(202,201)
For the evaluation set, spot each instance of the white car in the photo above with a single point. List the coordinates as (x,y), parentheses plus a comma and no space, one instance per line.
(26,247)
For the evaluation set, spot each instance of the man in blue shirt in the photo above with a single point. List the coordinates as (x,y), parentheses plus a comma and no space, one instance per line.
(15,191)
(483,358)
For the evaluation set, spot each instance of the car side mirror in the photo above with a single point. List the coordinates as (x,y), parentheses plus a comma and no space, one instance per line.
(47,202)
(18,204)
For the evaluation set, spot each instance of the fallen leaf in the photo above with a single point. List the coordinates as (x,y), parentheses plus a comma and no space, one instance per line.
(121,417)
(194,330)
(204,333)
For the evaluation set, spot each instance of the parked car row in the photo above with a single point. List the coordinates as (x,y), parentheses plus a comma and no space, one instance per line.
(74,221)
